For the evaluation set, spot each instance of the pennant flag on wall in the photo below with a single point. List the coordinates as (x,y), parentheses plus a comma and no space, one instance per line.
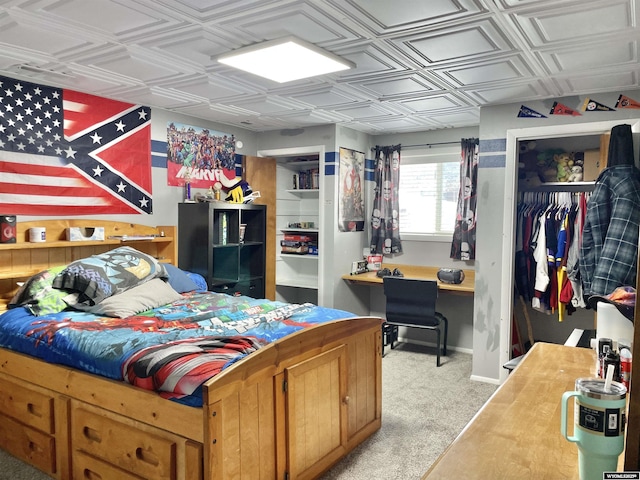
(593,106)
(560,109)
(626,102)
(68,153)
(526,112)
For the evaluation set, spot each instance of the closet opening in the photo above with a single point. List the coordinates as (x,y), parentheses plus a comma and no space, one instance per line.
(299,219)
(527,182)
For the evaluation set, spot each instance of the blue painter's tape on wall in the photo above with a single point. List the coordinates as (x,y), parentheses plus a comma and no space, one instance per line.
(493,145)
(492,161)
(158,154)
(331,160)
(331,157)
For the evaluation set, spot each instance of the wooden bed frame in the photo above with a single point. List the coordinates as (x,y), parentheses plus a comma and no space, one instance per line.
(289,411)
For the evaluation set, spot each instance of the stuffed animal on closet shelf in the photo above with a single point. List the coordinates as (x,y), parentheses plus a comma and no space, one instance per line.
(564,162)
(576,174)
(547,166)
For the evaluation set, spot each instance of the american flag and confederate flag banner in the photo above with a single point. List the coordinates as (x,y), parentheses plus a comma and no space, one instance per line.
(69,153)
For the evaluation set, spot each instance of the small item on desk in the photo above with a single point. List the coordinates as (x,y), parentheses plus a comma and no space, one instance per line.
(625,366)
(612,360)
(374,262)
(358,267)
(451,275)
(385,272)
(604,345)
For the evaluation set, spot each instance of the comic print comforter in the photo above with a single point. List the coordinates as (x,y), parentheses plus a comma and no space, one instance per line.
(172,349)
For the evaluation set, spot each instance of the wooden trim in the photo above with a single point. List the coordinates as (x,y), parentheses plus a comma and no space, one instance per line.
(632,448)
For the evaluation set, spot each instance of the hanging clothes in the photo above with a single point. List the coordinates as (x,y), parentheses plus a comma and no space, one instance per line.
(573,256)
(609,252)
(547,245)
(620,146)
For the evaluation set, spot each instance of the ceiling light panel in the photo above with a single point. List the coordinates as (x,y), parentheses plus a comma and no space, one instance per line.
(285,60)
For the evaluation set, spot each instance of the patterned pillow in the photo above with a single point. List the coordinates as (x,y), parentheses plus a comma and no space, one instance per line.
(100,276)
(38,295)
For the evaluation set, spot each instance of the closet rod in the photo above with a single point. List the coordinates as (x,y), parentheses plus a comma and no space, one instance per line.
(430,144)
(425,145)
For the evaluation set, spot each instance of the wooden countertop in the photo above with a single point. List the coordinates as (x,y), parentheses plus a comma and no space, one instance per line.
(418,272)
(516,434)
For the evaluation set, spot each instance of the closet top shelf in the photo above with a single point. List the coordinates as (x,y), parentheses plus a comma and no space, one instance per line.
(561,187)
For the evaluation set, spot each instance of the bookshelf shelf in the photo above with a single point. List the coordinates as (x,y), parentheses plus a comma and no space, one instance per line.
(209,244)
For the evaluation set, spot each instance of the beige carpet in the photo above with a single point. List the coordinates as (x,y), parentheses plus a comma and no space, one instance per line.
(423,410)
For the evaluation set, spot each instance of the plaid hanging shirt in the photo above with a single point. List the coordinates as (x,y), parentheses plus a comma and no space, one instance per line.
(609,251)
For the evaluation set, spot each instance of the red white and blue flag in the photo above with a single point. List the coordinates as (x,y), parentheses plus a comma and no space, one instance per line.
(69,153)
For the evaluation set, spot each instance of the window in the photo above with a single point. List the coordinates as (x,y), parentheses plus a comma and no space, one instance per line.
(428,192)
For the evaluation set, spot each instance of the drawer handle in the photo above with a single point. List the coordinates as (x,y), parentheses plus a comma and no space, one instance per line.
(92,434)
(34,410)
(35,448)
(147,456)
(90,475)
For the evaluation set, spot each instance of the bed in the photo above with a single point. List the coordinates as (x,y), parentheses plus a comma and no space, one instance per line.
(290,409)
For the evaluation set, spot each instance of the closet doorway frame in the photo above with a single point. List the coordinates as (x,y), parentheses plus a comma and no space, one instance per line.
(510,201)
(319,150)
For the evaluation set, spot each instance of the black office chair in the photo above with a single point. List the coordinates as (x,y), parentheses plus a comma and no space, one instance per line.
(412,303)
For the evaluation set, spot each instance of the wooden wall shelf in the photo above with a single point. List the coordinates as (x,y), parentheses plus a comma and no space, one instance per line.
(21,260)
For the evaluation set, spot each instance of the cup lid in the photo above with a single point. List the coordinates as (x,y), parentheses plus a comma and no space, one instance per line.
(594,388)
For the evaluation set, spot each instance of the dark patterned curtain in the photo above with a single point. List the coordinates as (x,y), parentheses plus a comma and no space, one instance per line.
(463,246)
(385,216)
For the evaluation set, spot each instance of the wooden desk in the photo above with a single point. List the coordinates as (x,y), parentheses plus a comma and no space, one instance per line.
(516,434)
(417,272)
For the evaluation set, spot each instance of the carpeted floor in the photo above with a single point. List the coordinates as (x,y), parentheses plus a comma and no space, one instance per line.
(424,408)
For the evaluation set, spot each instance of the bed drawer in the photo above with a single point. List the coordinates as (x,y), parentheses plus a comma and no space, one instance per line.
(138,451)
(86,467)
(28,444)
(27,406)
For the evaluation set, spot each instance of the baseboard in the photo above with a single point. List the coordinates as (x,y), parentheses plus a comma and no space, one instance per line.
(477,378)
(430,344)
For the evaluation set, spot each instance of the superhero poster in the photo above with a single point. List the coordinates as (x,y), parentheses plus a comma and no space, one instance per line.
(200,157)
(351,203)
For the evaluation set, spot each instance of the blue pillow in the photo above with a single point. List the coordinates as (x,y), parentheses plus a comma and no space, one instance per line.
(198,280)
(179,279)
